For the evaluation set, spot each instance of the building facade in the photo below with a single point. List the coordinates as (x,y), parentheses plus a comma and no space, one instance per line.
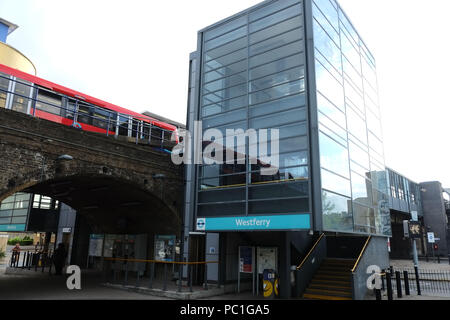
(299,67)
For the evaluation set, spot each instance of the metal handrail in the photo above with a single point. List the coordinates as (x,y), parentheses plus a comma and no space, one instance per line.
(108,121)
(311,251)
(362,253)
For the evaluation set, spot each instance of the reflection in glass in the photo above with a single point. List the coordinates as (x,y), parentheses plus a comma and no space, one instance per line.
(337,212)
(333,156)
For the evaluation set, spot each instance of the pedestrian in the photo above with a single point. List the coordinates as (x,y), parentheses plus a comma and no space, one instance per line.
(59,258)
(15,253)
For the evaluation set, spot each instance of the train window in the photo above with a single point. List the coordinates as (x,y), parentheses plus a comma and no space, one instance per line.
(48,102)
(4,84)
(136,128)
(156,133)
(21,96)
(123,125)
(84,113)
(146,130)
(104,119)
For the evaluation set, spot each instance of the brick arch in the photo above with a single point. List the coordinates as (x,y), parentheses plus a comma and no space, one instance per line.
(30,159)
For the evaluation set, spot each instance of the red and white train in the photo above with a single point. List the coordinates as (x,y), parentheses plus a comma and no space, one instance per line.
(29,94)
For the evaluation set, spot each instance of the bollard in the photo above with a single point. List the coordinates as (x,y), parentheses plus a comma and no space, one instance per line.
(126,274)
(23,260)
(152,266)
(416,270)
(389,286)
(27,263)
(398,281)
(165,277)
(190,278)
(405,276)
(137,278)
(206,276)
(180,276)
(439,258)
(378,294)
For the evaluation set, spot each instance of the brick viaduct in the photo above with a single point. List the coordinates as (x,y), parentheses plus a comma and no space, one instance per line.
(117,185)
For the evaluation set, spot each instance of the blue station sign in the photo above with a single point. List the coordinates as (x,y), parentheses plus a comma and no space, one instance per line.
(256,223)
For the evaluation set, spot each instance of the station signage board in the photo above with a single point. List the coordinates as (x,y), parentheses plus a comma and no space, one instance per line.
(255,223)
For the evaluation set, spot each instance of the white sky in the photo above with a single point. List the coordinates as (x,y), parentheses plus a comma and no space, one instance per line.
(135,54)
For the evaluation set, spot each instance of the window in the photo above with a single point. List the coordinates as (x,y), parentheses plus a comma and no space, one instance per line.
(21,96)
(48,102)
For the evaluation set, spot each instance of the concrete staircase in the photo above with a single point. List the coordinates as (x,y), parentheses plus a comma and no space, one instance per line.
(332,281)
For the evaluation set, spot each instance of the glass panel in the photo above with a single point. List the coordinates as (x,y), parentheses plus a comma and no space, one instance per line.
(329,86)
(226,71)
(274,18)
(275,42)
(279,206)
(278,105)
(271,8)
(277,29)
(375,144)
(333,156)
(337,212)
(327,47)
(282,190)
(226,27)
(354,96)
(20,101)
(329,109)
(228,37)
(363,218)
(277,66)
(5,220)
(6,205)
(361,190)
(274,121)
(224,118)
(226,60)
(226,49)
(334,131)
(4,85)
(221,195)
(225,82)
(329,10)
(217,210)
(224,106)
(275,54)
(276,79)
(6,213)
(356,126)
(228,93)
(220,169)
(358,155)
(49,102)
(277,92)
(350,52)
(225,181)
(335,183)
(21,212)
(19,220)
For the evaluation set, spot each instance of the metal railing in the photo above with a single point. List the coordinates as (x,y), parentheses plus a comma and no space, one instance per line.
(32,260)
(102,118)
(121,271)
(363,251)
(410,281)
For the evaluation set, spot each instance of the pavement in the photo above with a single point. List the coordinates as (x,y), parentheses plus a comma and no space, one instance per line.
(31,285)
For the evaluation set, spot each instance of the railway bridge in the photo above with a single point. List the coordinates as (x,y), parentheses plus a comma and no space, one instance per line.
(119,186)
